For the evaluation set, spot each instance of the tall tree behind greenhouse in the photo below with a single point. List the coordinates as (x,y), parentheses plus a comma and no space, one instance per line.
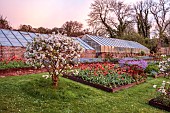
(142,18)
(72,28)
(4,23)
(110,16)
(161,13)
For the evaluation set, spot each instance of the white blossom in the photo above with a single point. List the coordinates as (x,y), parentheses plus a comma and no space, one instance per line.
(154,86)
(45,76)
(53,52)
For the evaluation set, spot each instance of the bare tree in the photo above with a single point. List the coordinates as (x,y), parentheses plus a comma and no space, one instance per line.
(99,17)
(168,34)
(168,30)
(4,24)
(111,15)
(72,28)
(123,14)
(161,13)
(142,18)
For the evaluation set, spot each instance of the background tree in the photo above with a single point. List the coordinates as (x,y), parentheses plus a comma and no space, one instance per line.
(99,17)
(161,11)
(168,34)
(42,30)
(149,43)
(27,28)
(72,28)
(110,16)
(142,18)
(123,15)
(57,30)
(4,23)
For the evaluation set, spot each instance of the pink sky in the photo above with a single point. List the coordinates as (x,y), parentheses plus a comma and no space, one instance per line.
(45,13)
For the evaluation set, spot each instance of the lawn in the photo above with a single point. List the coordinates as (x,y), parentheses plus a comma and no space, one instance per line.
(32,93)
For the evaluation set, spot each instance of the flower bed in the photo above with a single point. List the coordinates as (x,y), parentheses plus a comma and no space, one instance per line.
(15,66)
(159,69)
(14,62)
(159,105)
(162,99)
(98,86)
(106,76)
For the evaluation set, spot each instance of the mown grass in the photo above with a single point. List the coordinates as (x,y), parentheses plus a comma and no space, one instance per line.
(34,94)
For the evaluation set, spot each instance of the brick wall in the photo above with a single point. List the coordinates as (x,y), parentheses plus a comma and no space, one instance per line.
(7,52)
(165,50)
(88,54)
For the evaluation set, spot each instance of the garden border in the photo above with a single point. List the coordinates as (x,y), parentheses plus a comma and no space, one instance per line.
(162,74)
(98,86)
(20,71)
(158,105)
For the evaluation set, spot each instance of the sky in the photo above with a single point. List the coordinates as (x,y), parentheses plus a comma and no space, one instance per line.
(46,13)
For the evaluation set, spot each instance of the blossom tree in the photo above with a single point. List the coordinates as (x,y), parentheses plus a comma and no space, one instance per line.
(56,53)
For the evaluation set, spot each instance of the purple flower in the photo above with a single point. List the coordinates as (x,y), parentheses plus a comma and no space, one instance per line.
(141,63)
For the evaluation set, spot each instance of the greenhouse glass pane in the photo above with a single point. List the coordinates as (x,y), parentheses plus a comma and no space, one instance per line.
(95,39)
(15,42)
(85,44)
(11,38)
(26,35)
(33,35)
(24,44)
(20,37)
(8,34)
(4,41)
(1,34)
(81,44)
(22,40)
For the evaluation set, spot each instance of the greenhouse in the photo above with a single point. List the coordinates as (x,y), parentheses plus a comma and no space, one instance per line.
(112,45)
(13,43)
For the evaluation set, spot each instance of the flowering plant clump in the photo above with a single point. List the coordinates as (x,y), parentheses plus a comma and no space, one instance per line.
(13,62)
(135,68)
(55,53)
(164,65)
(152,69)
(141,63)
(163,93)
(104,74)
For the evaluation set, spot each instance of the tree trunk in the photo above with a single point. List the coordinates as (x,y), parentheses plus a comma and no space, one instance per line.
(55,80)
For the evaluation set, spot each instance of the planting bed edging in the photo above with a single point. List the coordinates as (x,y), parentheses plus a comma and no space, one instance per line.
(159,75)
(20,71)
(98,86)
(162,74)
(158,105)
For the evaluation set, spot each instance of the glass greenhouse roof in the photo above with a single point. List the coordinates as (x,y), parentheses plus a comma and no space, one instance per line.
(116,42)
(21,38)
(83,44)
